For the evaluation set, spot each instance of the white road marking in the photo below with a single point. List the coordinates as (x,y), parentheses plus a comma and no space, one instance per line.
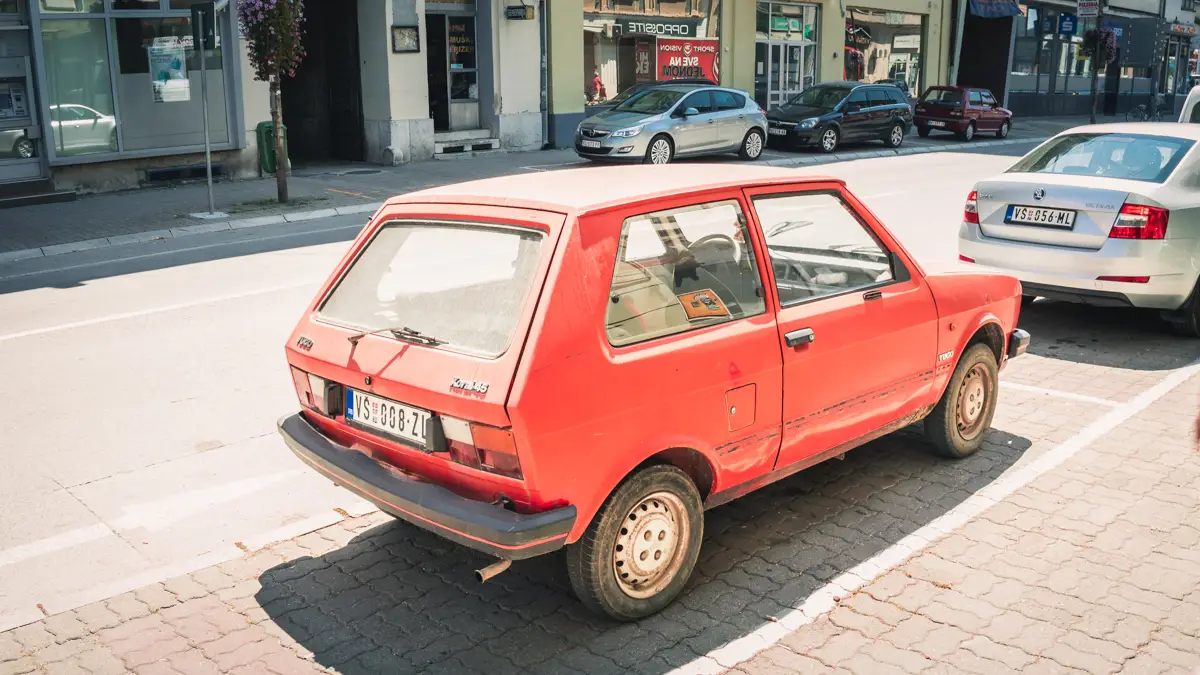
(1059,394)
(59,542)
(824,599)
(155,310)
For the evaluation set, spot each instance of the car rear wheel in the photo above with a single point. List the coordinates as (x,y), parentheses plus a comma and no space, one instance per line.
(640,549)
(1186,320)
(896,136)
(1002,132)
(969,133)
(923,132)
(958,423)
(752,145)
(660,151)
(829,140)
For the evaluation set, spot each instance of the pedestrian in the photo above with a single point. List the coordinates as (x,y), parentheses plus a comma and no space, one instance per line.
(598,86)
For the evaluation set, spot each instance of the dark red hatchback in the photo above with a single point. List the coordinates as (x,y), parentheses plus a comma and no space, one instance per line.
(964,111)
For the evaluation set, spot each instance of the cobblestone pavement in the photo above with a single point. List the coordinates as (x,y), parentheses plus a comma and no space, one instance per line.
(1093,567)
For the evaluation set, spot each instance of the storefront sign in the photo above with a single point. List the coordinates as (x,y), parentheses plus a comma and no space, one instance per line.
(462,42)
(661,26)
(687,58)
(168,72)
(1089,9)
(906,42)
(519,13)
(1067,24)
(857,36)
(643,68)
(1182,29)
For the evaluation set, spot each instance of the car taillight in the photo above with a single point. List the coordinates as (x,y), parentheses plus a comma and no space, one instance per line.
(1140,222)
(965,258)
(316,393)
(920,108)
(482,447)
(971,209)
(1127,280)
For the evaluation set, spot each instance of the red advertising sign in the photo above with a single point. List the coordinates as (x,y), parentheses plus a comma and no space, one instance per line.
(688,57)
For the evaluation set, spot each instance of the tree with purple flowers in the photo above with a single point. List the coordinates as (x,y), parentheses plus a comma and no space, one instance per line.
(273,30)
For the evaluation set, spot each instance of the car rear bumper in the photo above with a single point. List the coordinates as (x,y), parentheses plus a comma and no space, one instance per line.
(1074,274)
(1018,343)
(956,125)
(474,524)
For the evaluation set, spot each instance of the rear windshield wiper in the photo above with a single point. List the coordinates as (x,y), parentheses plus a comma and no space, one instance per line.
(401,333)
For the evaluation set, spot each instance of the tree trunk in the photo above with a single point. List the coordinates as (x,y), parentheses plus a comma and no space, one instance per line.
(281,160)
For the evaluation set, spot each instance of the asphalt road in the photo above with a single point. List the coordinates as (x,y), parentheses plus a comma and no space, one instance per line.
(142,385)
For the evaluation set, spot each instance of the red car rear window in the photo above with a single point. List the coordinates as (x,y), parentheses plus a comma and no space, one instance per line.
(943,97)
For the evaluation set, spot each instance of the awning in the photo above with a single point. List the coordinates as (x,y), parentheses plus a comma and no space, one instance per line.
(995,9)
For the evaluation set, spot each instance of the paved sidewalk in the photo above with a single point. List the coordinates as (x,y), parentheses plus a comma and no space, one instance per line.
(111,219)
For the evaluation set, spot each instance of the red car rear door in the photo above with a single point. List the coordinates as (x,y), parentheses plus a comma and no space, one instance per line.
(856,321)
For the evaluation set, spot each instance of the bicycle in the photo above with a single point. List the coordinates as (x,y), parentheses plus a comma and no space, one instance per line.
(1145,113)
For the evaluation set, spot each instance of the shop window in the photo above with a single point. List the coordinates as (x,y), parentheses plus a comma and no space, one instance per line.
(79,95)
(71,6)
(135,4)
(464,79)
(158,85)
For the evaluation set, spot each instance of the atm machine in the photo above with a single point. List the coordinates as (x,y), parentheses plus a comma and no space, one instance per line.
(20,129)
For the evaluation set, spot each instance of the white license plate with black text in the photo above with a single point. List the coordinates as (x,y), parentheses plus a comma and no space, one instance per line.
(1034,215)
(937,124)
(590,144)
(777,132)
(384,415)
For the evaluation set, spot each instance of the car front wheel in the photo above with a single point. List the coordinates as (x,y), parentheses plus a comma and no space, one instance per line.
(829,140)
(958,423)
(1002,132)
(660,151)
(640,549)
(752,145)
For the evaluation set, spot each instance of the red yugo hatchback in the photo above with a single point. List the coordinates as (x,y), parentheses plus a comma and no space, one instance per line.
(589,359)
(962,110)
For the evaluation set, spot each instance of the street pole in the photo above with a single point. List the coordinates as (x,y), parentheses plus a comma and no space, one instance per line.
(961,24)
(212,207)
(1097,56)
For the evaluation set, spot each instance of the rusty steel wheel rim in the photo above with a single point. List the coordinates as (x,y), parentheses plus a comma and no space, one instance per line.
(973,397)
(650,545)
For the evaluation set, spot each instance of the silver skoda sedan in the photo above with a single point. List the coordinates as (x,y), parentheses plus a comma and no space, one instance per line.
(1104,215)
(675,120)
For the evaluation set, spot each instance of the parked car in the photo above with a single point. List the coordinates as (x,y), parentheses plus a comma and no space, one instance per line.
(1191,107)
(590,358)
(964,111)
(1105,215)
(77,128)
(675,120)
(831,113)
(15,143)
(597,108)
(900,84)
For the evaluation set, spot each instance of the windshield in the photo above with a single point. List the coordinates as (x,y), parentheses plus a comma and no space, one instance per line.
(1108,155)
(629,93)
(943,97)
(651,101)
(820,97)
(459,283)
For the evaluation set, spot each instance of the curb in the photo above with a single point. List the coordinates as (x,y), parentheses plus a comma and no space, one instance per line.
(297,216)
(185,231)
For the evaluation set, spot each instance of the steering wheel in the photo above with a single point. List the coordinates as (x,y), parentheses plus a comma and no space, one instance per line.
(723,239)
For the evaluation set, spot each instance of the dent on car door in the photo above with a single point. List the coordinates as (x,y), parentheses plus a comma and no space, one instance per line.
(688,312)
(857,326)
(695,133)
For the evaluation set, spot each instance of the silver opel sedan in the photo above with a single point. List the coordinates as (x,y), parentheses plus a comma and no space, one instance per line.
(675,120)
(1104,215)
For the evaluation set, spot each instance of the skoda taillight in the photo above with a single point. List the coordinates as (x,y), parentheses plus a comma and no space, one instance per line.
(1140,222)
(971,209)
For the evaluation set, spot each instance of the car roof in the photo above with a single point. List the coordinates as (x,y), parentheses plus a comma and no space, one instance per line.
(595,189)
(1188,131)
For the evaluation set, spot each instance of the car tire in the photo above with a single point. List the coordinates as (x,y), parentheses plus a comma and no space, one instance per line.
(923,132)
(829,140)
(752,145)
(969,133)
(660,150)
(23,148)
(1186,320)
(959,422)
(895,137)
(671,517)
(112,141)
(1002,132)
(1027,300)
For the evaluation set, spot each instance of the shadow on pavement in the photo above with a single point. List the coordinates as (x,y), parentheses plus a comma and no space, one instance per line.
(1114,337)
(398,599)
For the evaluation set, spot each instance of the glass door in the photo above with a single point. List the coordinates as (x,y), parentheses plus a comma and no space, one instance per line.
(20,131)
(789,71)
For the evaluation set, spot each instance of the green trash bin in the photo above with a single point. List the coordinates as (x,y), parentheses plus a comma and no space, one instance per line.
(265,133)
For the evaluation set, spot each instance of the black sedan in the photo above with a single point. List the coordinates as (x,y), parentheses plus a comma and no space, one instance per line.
(830,113)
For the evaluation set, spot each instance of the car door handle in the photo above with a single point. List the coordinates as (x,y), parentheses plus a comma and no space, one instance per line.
(872,295)
(804,336)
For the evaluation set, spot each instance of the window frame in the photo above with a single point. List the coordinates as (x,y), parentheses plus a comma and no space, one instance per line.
(231,70)
(734,97)
(975,97)
(899,268)
(751,242)
(882,93)
(682,105)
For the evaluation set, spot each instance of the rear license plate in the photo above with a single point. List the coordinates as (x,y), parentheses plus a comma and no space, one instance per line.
(937,124)
(1034,215)
(381,414)
(590,144)
(777,132)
